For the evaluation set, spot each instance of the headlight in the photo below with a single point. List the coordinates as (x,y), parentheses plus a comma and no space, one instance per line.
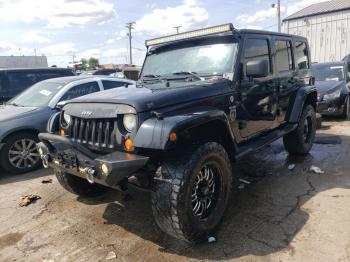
(129,122)
(332,96)
(67,119)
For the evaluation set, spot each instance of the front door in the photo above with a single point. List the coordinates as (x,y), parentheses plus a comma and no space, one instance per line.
(259,95)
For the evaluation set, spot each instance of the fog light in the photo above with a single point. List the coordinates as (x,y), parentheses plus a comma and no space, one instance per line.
(40,151)
(128,144)
(105,169)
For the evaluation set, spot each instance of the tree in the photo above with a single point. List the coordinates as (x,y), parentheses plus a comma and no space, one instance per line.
(93,63)
(84,63)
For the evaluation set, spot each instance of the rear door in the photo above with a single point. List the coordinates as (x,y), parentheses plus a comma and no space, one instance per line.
(286,74)
(257,110)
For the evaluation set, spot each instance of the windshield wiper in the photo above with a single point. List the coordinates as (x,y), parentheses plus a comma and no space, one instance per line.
(190,73)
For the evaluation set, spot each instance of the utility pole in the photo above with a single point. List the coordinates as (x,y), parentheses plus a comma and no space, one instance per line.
(177,28)
(130,26)
(278,6)
(73,57)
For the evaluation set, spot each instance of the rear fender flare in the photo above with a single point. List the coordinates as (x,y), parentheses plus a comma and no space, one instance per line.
(305,95)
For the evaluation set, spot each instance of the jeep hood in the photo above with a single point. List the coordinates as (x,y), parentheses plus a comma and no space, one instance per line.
(324,87)
(9,112)
(144,99)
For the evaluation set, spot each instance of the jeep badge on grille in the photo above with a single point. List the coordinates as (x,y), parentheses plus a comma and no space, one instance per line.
(86,113)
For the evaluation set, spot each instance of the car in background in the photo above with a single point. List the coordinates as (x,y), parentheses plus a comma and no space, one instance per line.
(101,71)
(13,81)
(27,114)
(332,81)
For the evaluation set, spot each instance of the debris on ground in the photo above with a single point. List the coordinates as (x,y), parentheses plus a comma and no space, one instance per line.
(291,167)
(211,239)
(241,186)
(244,181)
(316,170)
(28,199)
(111,255)
(46,180)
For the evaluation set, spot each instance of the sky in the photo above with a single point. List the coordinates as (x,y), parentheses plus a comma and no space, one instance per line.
(67,29)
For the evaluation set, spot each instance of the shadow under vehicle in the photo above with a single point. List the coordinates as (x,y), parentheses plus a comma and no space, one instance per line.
(230,92)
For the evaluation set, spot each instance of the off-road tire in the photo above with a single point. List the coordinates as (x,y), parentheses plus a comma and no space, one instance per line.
(4,153)
(295,142)
(171,199)
(345,113)
(80,186)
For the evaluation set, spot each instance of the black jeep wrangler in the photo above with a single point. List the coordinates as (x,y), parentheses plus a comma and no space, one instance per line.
(204,99)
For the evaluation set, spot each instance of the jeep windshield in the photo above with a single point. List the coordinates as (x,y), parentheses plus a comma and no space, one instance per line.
(195,62)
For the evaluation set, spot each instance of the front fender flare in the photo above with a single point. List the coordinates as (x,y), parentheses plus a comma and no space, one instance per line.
(154,133)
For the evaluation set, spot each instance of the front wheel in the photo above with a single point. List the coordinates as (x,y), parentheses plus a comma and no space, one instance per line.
(346,109)
(192,193)
(300,141)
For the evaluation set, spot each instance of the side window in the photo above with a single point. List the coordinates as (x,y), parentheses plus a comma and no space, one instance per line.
(20,80)
(47,75)
(284,61)
(257,49)
(302,55)
(111,84)
(81,90)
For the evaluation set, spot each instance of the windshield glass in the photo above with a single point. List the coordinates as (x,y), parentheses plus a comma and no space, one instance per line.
(213,59)
(38,95)
(328,73)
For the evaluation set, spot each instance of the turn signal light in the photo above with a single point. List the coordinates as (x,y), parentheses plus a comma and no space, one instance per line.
(62,133)
(128,144)
(173,136)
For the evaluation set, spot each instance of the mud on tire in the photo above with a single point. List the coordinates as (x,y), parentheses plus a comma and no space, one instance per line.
(176,210)
(300,141)
(79,186)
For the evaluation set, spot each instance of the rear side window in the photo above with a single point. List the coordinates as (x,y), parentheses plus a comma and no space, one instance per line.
(302,55)
(81,90)
(20,80)
(257,49)
(284,61)
(111,84)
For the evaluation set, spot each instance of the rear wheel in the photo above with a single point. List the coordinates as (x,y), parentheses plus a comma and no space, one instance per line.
(19,154)
(192,193)
(300,141)
(79,186)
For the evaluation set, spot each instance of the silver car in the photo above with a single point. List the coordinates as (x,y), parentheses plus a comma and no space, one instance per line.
(26,115)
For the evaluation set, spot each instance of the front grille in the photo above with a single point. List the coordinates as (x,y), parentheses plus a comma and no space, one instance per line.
(94,132)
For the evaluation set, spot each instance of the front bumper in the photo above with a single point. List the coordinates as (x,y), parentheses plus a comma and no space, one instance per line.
(331,107)
(68,156)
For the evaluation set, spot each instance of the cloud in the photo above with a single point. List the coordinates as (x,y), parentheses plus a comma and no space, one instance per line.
(35,38)
(94,52)
(58,13)
(267,14)
(110,41)
(61,49)
(6,47)
(189,15)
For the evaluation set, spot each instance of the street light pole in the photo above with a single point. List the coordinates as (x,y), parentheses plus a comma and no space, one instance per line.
(177,28)
(130,27)
(278,7)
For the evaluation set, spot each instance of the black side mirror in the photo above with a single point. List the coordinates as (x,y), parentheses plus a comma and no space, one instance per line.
(257,68)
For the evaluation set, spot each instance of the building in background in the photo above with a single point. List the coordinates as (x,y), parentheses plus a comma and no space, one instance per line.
(23,61)
(327,27)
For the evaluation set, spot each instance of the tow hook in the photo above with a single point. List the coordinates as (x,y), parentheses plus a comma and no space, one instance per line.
(89,173)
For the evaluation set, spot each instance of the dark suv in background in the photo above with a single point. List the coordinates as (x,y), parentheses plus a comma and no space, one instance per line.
(204,99)
(14,81)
